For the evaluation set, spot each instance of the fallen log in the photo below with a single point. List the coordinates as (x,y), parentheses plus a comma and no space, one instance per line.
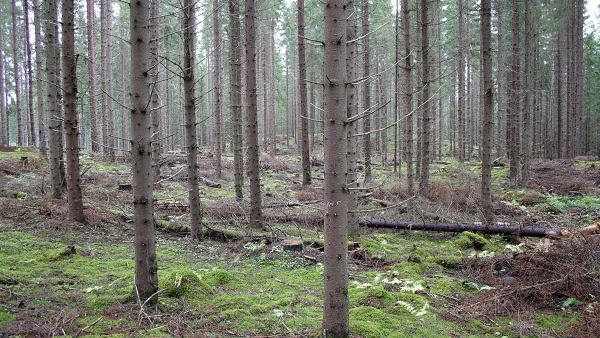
(209,183)
(509,230)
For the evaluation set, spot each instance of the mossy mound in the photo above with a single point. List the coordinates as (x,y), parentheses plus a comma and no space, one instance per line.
(183,282)
(218,277)
(468,240)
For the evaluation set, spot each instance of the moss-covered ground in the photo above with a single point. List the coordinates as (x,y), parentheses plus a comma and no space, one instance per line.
(63,278)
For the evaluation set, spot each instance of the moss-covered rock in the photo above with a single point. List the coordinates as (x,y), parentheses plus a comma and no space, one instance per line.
(468,240)
(183,282)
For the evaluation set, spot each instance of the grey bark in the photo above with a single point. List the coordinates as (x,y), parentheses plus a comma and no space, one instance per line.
(426,127)
(218,89)
(513,109)
(146,277)
(188,27)
(69,67)
(31,129)
(38,74)
(303,111)
(336,304)
(154,85)
(235,93)
(92,76)
(15,47)
(486,134)
(251,118)
(407,98)
(55,133)
(4,133)
(527,111)
(352,110)
(461,82)
(366,90)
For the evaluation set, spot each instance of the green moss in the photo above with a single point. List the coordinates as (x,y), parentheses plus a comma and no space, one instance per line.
(373,296)
(14,194)
(468,240)
(6,317)
(555,322)
(183,282)
(409,270)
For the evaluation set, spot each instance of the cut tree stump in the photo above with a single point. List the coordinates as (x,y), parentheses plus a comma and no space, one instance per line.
(125,186)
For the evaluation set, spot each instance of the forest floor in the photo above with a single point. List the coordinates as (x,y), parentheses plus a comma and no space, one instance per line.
(59,277)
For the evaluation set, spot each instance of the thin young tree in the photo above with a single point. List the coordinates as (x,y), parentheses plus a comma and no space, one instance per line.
(235,95)
(366,90)
(304,144)
(38,73)
(154,85)
(335,307)
(4,133)
(407,98)
(218,89)
(526,145)
(501,80)
(352,110)
(486,132)
(461,82)
(16,77)
(31,127)
(251,118)
(69,86)
(92,76)
(146,277)
(513,109)
(426,115)
(55,133)
(106,78)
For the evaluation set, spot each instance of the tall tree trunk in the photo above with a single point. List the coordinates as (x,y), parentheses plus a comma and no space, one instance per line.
(15,47)
(335,307)
(579,80)
(527,111)
(188,27)
(38,74)
(486,134)
(397,159)
(513,112)
(366,90)
(92,76)
(124,98)
(251,120)
(559,91)
(352,110)
(218,89)
(461,82)
(154,64)
(55,133)
(407,101)
(106,62)
(426,135)
(303,113)
(69,67)
(146,277)
(235,94)
(31,129)
(501,80)
(4,132)
(272,103)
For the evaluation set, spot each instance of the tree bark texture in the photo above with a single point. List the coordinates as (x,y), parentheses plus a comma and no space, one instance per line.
(304,143)
(146,278)
(235,95)
(154,64)
(486,133)
(366,90)
(31,129)
(20,127)
(407,98)
(426,134)
(352,110)
(218,89)
(335,307)
(38,74)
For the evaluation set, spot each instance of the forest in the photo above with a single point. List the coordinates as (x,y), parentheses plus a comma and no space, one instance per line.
(300,168)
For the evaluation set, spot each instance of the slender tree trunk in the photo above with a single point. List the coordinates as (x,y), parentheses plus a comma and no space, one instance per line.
(272,91)
(32,135)
(397,161)
(407,101)
(146,277)
(38,74)
(251,121)
(55,132)
(335,307)
(486,134)
(513,116)
(92,76)
(461,82)
(218,89)
(188,27)
(527,111)
(4,132)
(559,92)
(235,94)
(15,47)
(366,90)
(501,80)
(352,110)
(154,86)
(69,66)
(124,98)
(303,113)
(426,135)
